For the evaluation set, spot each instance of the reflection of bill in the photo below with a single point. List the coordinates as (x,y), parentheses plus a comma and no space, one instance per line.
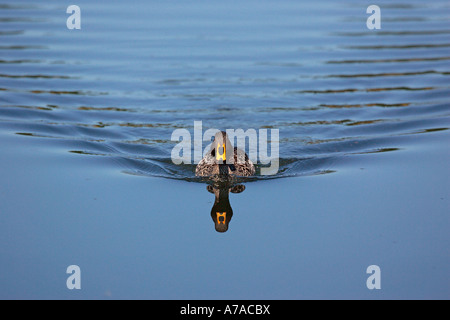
(221,211)
(221,217)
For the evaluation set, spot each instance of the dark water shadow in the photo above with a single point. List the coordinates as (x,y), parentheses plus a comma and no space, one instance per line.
(221,211)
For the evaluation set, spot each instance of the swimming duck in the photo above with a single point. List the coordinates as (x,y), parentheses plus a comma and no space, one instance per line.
(220,161)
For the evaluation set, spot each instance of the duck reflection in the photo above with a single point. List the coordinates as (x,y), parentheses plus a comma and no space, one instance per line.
(222,163)
(221,212)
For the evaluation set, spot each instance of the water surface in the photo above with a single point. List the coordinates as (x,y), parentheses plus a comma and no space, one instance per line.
(86,118)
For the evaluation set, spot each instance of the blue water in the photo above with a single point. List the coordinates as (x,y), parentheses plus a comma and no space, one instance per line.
(86,118)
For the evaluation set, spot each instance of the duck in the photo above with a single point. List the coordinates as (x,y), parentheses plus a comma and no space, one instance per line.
(219,161)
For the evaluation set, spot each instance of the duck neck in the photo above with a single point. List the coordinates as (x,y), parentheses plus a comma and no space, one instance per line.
(222,196)
(223,169)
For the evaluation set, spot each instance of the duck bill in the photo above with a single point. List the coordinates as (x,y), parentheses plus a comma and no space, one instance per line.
(221,152)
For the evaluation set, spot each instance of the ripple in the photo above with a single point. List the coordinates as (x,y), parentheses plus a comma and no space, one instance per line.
(332,91)
(19,61)
(384,105)
(5,6)
(11,33)
(35,76)
(387,60)
(85,108)
(23,47)
(19,19)
(59,92)
(387,74)
(151,156)
(347,122)
(393,33)
(398,46)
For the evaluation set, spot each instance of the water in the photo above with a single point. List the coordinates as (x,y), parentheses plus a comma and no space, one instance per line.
(86,118)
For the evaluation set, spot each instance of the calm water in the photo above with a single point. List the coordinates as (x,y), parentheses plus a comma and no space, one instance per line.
(86,118)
